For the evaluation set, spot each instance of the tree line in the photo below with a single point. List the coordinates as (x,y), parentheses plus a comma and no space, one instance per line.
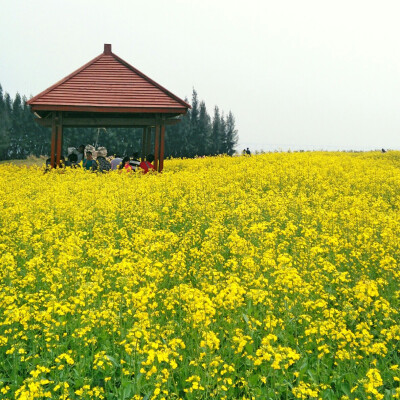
(198,134)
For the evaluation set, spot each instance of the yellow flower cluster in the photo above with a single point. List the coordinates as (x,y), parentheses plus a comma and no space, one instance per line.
(271,276)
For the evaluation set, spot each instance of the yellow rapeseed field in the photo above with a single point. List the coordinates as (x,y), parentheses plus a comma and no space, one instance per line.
(266,277)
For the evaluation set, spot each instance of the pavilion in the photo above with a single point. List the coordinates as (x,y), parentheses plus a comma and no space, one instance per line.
(108,92)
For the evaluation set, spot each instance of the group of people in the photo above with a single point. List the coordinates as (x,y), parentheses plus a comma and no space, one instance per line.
(78,158)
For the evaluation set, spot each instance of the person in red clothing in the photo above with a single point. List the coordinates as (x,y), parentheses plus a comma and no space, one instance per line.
(147,165)
(125,166)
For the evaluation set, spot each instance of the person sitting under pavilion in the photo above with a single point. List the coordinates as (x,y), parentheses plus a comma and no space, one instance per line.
(89,163)
(147,165)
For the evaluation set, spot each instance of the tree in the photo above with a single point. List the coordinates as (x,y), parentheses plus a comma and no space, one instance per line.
(8,122)
(204,139)
(231,134)
(196,134)
(4,127)
(216,132)
(16,138)
(177,137)
(222,134)
(37,136)
(1,99)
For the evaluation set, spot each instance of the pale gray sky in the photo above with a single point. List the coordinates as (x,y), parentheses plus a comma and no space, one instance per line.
(309,74)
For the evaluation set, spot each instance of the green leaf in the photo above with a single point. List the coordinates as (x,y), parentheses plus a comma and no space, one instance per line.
(311,374)
(249,348)
(254,380)
(345,388)
(112,359)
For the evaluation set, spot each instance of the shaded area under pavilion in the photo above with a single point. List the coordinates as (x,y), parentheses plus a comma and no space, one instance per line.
(109,92)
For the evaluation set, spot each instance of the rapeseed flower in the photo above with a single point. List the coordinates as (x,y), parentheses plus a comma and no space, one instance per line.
(273,276)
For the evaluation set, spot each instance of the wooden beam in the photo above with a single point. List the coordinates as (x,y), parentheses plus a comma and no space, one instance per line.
(156,147)
(162,143)
(107,122)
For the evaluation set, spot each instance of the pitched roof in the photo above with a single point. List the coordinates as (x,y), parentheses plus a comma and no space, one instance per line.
(108,84)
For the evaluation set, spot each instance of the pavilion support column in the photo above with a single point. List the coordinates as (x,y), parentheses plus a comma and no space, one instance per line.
(162,145)
(144,140)
(156,147)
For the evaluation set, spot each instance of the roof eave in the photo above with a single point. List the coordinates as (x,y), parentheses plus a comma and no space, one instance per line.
(108,109)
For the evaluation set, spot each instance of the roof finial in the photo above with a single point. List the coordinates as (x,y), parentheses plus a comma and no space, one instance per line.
(107,48)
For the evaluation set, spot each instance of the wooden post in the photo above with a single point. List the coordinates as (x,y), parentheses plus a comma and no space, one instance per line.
(59,138)
(53,141)
(156,146)
(162,143)
(144,138)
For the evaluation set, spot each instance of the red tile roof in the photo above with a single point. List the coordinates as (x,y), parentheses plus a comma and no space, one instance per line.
(108,84)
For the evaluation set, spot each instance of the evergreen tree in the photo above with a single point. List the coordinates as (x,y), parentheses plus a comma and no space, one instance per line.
(223,149)
(37,136)
(216,132)
(8,104)
(184,129)
(194,136)
(27,129)
(8,122)
(16,125)
(177,137)
(231,134)
(4,127)
(204,131)
(2,106)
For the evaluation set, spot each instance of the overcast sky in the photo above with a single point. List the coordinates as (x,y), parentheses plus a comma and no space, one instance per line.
(309,74)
